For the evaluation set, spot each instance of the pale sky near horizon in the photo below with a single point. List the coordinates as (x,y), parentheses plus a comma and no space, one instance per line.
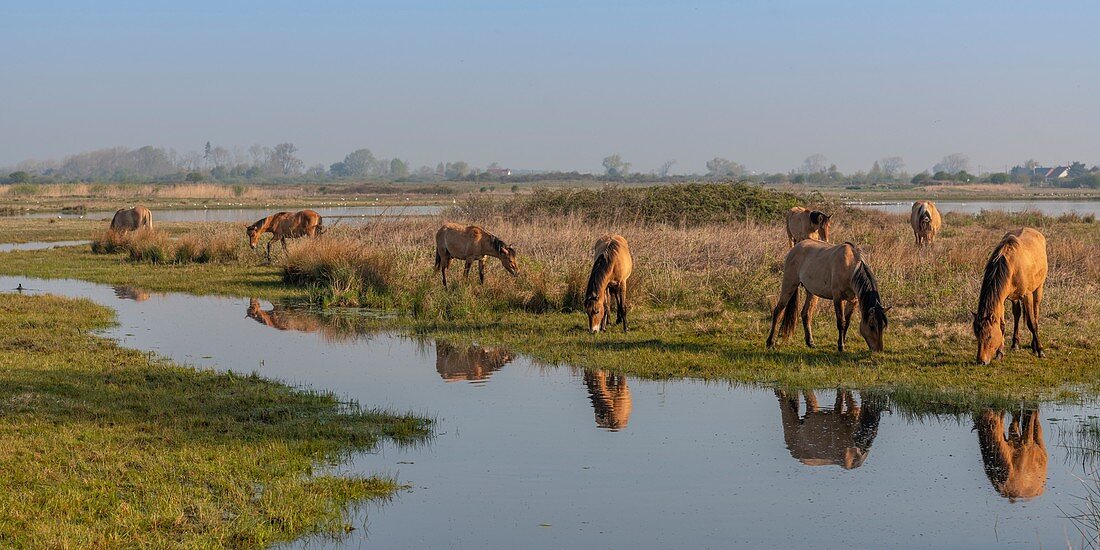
(558,85)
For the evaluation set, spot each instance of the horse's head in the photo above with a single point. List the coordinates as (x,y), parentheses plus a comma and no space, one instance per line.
(872,324)
(820,221)
(594,307)
(989,330)
(254,233)
(507,256)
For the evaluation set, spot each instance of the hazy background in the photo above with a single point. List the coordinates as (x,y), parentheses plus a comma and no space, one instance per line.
(559,85)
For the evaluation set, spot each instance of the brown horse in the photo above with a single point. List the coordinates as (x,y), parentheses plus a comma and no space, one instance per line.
(1016,464)
(833,272)
(610,399)
(470,243)
(611,268)
(805,224)
(1016,271)
(283,226)
(470,363)
(841,436)
(926,221)
(132,219)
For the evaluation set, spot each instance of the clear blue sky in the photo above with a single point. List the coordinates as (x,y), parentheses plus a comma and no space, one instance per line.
(558,85)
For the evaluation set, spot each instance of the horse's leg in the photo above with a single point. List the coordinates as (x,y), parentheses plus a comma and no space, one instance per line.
(785,295)
(1016,324)
(807,317)
(838,309)
(1031,315)
(622,303)
(481,269)
(285,251)
(466,271)
(849,308)
(606,310)
(838,404)
(444,264)
(269,250)
(811,401)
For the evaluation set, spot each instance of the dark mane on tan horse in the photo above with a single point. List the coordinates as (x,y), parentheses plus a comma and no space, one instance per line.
(994,279)
(870,303)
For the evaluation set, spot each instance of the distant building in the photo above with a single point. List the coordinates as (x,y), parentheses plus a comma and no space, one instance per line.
(496,171)
(1050,174)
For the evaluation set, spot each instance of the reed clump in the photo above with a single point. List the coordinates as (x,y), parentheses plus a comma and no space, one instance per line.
(215,245)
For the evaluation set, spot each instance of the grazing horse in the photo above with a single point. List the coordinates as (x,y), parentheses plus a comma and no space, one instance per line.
(470,243)
(283,226)
(472,363)
(926,221)
(1016,271)
(805,224)
(841,436)
(132,219)
(833,272)
(1016,464)
(610,399)
(611,268)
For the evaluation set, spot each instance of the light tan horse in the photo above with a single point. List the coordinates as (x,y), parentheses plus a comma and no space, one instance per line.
(610,398)
(926,221)
(1016,464)
(803,224)
(611,268)
(833,272)
(1015,271)
(841,436)
(470,363)
(470,243)
(132,219)
(283,226)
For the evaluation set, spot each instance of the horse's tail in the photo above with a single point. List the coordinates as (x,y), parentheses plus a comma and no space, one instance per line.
(790,314)
(438,261)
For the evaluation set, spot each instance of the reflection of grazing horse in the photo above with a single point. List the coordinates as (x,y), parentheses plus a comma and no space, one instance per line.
(841,436)
(333,328)
(610,398)
(1016,464)
(471,363)
(131,293)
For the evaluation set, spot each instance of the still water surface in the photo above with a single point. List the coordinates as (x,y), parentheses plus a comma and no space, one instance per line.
(534,456)
(1047,207)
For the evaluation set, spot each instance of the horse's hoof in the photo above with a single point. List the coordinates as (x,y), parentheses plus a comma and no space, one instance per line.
(809,344)
(1015,346)
(1040,354)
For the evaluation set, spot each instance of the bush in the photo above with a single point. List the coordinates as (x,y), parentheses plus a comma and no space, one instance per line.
(194,177)
(999,177)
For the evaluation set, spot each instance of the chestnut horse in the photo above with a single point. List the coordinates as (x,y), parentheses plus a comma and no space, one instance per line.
(283,226)
(1016,271)
(835,272)
(470,243)
(611,268)
(805,224)
(1015,464)
(132,219)
(926,221)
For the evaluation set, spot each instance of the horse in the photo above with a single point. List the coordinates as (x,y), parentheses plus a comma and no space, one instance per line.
(805,224)
(470,243)
(472,363)
(283,226)
(611,268)
(1016,271)
(132,219)
(926,221)
(1015,464)
(833,272)
(840,437)
(610,399)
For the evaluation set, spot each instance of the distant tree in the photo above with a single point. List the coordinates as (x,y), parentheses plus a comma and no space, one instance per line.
(515,188)
(339,170)
(206,152)
(219,172)
(615,167)
(921,178)
(666,168)
(317,171)
(892,167)
(1087,180)
(876,173)
(1077,169)
(283,158)
(814,164)
(723,168)
(360,163)
(942,175)
(194,177)
(964,176)
(456,170)
(398,168)
(953,163)
(19,177)
(998,177)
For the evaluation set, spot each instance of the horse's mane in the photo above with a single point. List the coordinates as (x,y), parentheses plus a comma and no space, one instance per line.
(600,268)
(995,277)
(865,284)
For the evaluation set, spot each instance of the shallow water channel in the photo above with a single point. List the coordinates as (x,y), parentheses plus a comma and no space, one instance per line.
(537,456)
(1046,207)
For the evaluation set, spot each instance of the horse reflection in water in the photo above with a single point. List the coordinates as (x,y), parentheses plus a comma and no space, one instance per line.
(472,363)
(610,398)
(1016,464)
(841,436)
(131,293)
(333,328)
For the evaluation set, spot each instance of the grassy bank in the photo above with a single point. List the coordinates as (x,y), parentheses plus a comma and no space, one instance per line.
(105,446)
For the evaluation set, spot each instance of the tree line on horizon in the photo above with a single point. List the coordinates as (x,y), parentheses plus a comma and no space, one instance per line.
(280,164)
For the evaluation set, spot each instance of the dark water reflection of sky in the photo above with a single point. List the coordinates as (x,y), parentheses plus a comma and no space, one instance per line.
(550,457)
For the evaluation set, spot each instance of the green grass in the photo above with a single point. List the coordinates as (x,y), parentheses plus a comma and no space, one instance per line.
(106,446)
